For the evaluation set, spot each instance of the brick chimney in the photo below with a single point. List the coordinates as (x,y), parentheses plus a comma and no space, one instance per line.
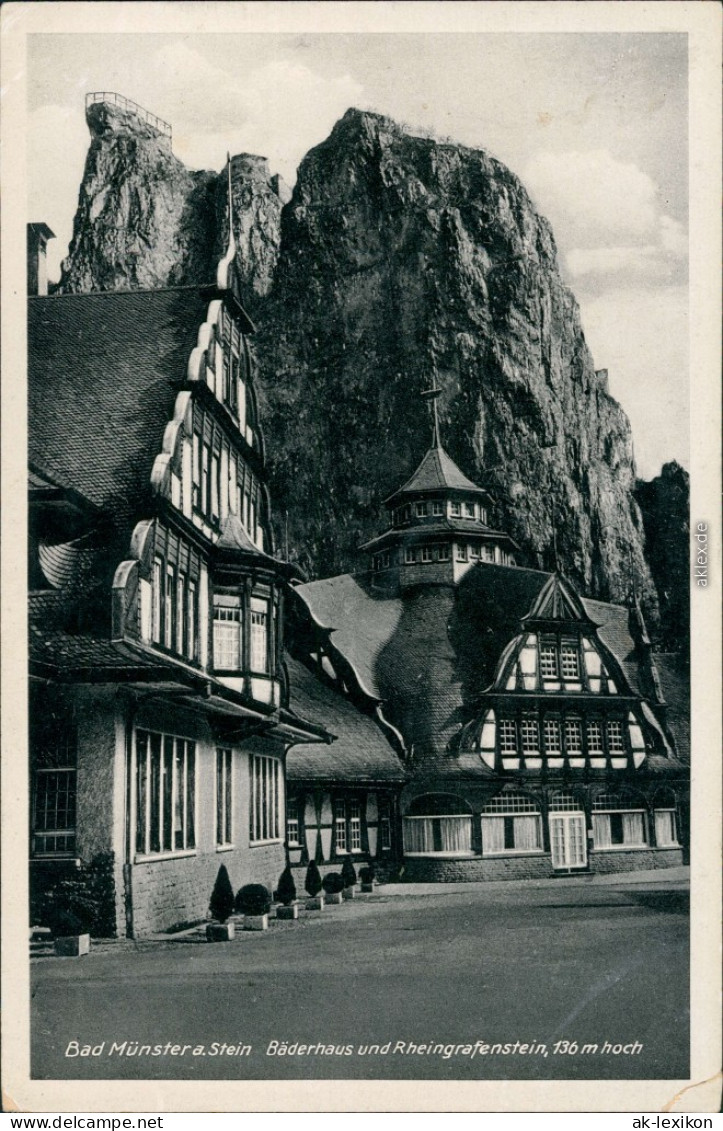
(38,236)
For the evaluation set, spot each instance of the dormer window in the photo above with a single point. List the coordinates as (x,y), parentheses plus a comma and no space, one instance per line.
(569,659)
(548,658)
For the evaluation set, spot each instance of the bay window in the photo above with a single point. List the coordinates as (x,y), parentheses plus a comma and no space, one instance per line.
(227,633)
(165,793)
(259,635)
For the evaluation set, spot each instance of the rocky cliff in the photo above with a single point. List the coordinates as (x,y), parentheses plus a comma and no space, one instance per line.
(665,506)
(398,262)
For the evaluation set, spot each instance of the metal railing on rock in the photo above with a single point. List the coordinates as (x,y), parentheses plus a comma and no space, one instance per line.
(128,104)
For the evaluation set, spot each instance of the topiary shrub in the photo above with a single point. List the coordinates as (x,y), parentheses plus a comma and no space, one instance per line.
(348,873)
(366,874)
(333,883)
(286,892)
(253,899)
(312,883)
(222,903)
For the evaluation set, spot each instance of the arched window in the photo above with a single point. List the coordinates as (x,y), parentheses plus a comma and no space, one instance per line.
(438,825)
(665,808)
(561,802)
(618,820)
(511,822)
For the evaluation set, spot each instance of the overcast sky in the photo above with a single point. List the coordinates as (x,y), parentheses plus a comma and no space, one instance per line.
(595,125)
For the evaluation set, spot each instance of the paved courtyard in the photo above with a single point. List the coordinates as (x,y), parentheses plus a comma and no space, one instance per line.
(581,978)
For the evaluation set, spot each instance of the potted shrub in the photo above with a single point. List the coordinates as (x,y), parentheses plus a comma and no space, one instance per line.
(70,939)
(221,907)
(366,875)
(286,895)
(253,901)
(333,885)
(313,885)
(348,875)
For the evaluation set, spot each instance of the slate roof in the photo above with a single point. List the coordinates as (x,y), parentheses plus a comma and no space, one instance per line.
(429,655)
(67,653)
(104,372)
(675,685)
(436,472)
(360,752)
(424,531)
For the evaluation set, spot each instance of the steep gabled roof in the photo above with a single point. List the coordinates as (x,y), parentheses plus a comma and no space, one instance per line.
(360,752)
(104,371)
(436,472)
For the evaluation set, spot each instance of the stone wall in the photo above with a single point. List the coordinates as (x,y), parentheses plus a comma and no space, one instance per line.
(535,866)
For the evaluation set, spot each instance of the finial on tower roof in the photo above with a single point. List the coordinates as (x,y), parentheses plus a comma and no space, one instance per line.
(222,274)
(432,395)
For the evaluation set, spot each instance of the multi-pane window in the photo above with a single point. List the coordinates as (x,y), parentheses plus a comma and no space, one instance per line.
(594,737)
(438,825)
(354,826)
(227,633)
(530,736)
(191,622)
(569,660)
(157,599)
(347,825)
(511,822)
(548,658)
(165,793)
(169,608)
(455,509)
(461,552)
(618,819)
(224,796)
(420,509)
(508,736)
(340,839)
(437,508)
(181,623)
(427,555)
(293,824)
(573,736)
(266,798)
(614,730)
(409,555)
(385,826)
(474,551)
(259,635)
(54,812)
(443,552)
(552,736)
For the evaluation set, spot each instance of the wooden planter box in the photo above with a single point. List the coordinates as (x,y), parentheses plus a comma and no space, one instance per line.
(219,932)
(315,902)
(288,911)
(334,898)
(348,893)
(72,946)
(256,922)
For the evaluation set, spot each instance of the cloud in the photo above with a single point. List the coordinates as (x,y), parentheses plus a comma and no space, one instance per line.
(591,198)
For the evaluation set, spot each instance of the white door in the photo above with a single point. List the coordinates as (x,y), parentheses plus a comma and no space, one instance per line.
(568,841)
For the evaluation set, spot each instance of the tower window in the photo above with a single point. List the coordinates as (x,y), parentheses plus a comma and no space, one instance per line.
(469,510)
(409,556)
(455,509)
(437,507)
(443,552)
(461,553)
(427,555)
(420,510)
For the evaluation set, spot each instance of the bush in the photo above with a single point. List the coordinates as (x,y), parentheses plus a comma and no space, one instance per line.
(64,923)
(312,883)
(286,892)
(348,873)
(253,899)
(333,883)
(221,904)
(366,874)
(87,893)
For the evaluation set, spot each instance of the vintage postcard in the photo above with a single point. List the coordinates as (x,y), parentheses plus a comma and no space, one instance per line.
(361,557)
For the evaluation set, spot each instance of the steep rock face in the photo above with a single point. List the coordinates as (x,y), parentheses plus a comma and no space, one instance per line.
(399,262)
(144,220)
(664,503)
(406,262)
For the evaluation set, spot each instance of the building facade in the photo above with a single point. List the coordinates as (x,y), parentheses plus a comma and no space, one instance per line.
(532,722)
(159,696)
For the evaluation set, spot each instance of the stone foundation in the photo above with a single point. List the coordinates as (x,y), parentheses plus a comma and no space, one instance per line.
(535,866)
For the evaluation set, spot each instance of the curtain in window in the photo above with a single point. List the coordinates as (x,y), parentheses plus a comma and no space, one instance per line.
(527,833)
(455,834)
(601,830)
(665,828)
(633,829)
(493,834)
(418,835)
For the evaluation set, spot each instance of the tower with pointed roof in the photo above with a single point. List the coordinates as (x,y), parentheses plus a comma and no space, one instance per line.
(438,525)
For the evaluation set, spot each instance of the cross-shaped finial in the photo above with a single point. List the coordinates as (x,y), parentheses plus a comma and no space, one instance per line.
(432,395)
